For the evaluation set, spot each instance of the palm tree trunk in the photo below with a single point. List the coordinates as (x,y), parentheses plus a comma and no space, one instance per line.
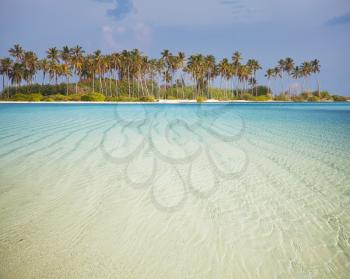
(110,85)
(67,85)
(76,83)
(129,81)
(3,83)
(8,87)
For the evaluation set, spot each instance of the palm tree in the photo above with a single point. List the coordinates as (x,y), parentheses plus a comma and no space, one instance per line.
(125,62)
(296,74)
(44,66)
(252,82)
(182,61)
(17,52)
(281,66)
(211,71)
(159,70)
(254,67)
(5,68)
(135,69)
(270,73)
(16,74)
(88,70)
(116,61)
(66,71)
(306,70)
(225,72)
(288,68)
(316,67)
(277,73)
(53,55)
(244,73)
(167,76)
(66,58)
(31,63)
(236,62)
(77,62)
(98,60)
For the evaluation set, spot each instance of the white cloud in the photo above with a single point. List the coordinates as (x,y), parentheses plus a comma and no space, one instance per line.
(127,34)
(107,29)
(222,12)
(143,33)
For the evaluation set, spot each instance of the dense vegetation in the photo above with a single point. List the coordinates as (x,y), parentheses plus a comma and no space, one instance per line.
(132,76)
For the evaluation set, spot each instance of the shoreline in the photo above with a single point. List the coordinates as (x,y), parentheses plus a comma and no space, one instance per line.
(179,101)
(166,102)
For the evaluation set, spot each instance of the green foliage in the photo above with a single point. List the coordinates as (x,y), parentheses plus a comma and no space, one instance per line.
(27,97)
(147,99)
(120,93)
(261,90)
(282,97)
(20,97)
(45,90)
(298,98)
(74,97)
(338,98)
(201,99)
(122,99)
(48,99)
(93,97)
(325,95)
(262,98)
(35,97)
(248,97)
(313,99)
(58,97)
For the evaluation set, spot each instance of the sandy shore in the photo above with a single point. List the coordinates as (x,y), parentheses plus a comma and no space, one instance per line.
(157,102)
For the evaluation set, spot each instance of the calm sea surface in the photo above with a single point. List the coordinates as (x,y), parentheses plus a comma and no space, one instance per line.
(175,191)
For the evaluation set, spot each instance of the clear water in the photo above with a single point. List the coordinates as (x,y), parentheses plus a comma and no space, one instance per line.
(175,191)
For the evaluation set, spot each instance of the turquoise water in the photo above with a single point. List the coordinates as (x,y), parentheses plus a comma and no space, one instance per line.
(175,191)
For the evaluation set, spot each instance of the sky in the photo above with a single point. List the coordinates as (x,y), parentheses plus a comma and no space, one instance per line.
(266,30)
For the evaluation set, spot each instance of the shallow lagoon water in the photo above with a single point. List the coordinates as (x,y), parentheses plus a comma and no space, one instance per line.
(175,191)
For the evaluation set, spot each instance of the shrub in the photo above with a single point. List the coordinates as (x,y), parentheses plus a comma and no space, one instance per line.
(58,97)
(35,97)
(325,95)
(147,99)
(93,97)
(201,99)
(298,98)
(122,99)
(262,98)
(74,97)
(47,99)
(282,97)
(247,97)
(27,97)
(261,90)
(20,97)
(338,98)
(313,99)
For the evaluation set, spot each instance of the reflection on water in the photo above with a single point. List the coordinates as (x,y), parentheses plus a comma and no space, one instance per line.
(177,191)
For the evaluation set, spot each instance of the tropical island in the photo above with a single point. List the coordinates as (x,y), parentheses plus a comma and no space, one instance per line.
(130,76)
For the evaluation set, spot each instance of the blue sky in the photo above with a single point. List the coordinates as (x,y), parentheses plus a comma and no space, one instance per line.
(263,29)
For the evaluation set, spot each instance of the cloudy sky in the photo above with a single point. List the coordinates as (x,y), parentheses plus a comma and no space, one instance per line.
(263,29)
